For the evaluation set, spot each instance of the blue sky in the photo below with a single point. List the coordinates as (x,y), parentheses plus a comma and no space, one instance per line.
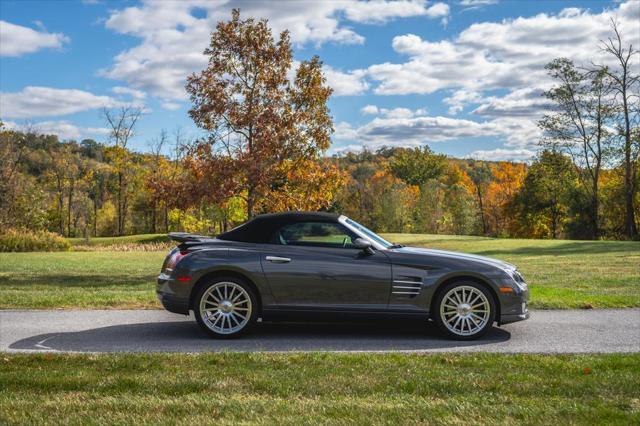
(464,76)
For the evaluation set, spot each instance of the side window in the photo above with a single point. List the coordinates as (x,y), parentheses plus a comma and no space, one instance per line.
(315,234)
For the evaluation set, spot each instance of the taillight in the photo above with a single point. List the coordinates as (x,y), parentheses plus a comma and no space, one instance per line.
(174,259)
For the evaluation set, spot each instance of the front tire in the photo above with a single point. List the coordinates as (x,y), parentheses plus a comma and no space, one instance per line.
(464,310)
(227,307)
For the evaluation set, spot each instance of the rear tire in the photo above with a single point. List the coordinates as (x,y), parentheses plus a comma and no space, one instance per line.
(464,310)
(226,307)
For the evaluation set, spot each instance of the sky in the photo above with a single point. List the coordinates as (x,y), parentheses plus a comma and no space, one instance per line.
(465,77)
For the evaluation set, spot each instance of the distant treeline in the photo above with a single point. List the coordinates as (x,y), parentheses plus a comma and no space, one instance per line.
(85,189)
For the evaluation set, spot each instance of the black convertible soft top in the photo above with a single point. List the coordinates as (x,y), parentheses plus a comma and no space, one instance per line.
(261,228)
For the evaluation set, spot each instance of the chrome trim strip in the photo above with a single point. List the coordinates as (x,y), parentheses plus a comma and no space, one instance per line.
(412,293)
(410,288)
(407,282)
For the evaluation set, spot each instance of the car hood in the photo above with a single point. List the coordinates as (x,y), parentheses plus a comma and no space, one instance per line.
(456,256)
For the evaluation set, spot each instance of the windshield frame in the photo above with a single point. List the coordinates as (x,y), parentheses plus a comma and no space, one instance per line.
(363,232)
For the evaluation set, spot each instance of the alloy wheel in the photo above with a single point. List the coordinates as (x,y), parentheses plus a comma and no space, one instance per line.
(465,310)
(225,307)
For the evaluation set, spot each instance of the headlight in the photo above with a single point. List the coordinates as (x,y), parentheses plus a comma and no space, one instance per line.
(517,278)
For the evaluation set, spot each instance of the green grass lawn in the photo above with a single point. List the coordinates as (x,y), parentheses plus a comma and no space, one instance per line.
(562,274)
(320,389)
(79,280)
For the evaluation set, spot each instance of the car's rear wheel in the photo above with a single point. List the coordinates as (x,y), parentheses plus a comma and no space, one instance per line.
(226,307)
(465,310)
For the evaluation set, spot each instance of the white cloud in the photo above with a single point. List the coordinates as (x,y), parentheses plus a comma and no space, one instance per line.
(438,10)
(135,94)
(36,101)
(406,131)
(404,127)
(477,2)
(346,83)
(507,56)
(393,112)
(370,109)
(344,131)
(171,106)
(519,155)
(173,36)
(527,102)
(382,11)
(460,98)
(63,129)
(496,55)
(17,40)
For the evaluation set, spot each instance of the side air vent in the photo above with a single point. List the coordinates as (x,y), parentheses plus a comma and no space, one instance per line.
(408,288)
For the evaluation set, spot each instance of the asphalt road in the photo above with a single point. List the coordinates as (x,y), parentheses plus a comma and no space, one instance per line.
(158,331)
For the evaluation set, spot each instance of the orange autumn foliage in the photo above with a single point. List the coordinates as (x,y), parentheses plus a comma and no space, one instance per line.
(507,180)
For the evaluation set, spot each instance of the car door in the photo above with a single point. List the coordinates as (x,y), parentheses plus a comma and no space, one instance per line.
(314,265)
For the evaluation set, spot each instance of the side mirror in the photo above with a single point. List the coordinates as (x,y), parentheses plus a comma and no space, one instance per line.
(364,245)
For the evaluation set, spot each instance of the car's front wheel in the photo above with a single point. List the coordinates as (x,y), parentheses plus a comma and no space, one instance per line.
(465,310)
(226,307)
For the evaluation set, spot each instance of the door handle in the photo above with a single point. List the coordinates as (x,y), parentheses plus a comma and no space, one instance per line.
(276,259)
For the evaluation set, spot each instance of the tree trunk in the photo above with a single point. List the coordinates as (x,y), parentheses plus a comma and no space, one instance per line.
(250,202)
(595,206)
(166,219)
(484,223)
(153,218)
(630,228)
(119,230)
(69,203)
(95,218)
(60,207)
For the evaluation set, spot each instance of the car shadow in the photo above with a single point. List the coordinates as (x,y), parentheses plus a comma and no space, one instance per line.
(186,336)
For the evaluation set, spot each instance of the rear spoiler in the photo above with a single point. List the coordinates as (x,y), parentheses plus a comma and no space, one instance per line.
(185,237)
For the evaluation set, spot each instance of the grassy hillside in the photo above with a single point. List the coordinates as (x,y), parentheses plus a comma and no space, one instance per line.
(320,389)
(562,274)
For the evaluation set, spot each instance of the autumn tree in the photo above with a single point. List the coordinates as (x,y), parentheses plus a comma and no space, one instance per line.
(579,125)
(98,191)
(418,165)
(625,84)
(12,147)
(500,193)
(480,175)
(543,200)
(122,123)
(156,146)
(262,119)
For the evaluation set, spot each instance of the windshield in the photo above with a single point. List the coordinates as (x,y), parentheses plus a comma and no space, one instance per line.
(372,235)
